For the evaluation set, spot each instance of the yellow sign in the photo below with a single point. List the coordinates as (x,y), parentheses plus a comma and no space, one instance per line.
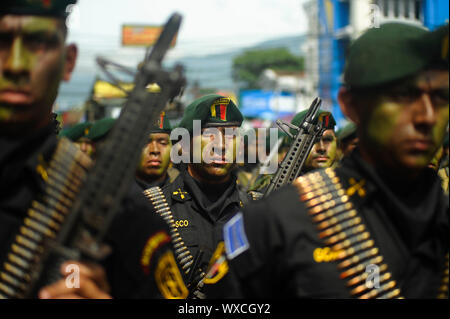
(106,90)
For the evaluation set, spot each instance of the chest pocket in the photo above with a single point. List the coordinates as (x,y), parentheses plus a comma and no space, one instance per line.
(189,235)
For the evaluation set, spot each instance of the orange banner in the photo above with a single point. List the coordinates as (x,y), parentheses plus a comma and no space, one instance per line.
(141,35)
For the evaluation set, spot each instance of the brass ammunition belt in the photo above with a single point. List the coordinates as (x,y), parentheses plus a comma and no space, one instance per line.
(182,253)
(63,177)
(342,229)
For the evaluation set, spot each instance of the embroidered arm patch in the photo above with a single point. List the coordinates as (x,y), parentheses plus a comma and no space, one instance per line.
(234,236)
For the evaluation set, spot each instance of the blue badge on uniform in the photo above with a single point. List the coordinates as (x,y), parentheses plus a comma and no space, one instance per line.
(234,236)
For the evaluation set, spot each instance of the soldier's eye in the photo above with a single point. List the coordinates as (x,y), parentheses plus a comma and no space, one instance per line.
(407,94)
(328,139)
(6,40)
(440,96)
(40,41)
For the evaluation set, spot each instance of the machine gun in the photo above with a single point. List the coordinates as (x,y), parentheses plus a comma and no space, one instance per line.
(307,134)
(72,218)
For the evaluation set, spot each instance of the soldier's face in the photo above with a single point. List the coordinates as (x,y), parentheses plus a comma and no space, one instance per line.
(323,153)
(33,61)
(406,125)
(155,157)
(86,146)
(219,147)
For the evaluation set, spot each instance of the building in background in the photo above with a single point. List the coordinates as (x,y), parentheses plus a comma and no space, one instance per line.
(333,24)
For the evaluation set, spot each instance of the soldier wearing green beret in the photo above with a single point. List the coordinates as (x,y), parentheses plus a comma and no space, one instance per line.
(323,153)
(347,139)
(34,59)
(78,134)
(377,225)
(154,168)
(205,194)
(95,135)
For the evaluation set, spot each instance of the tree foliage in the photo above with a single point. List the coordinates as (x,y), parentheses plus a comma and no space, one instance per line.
(248,66)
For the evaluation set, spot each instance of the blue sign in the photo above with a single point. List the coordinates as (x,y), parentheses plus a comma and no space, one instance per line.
(267,105)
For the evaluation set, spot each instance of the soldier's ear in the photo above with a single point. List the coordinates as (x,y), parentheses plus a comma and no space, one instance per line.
(348,106)
(71,59)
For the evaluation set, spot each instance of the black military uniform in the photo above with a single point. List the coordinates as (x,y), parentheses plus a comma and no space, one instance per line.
(198,210)
(285,257)
(134,226)
(140,240)
(352,231)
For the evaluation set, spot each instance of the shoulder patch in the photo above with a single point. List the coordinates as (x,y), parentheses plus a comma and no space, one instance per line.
(236,241)
(180,195)
(218,266)
(169,279)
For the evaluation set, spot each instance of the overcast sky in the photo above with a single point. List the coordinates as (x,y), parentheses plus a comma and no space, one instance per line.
(208,26)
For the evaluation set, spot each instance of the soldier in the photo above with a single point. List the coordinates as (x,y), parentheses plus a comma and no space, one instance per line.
(78,134)
(205,195)
(347,139)
(323,153)
(377,225)
(155,167)
(34,59)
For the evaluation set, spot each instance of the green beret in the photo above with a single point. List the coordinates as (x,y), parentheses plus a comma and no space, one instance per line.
(77,131)
(52,8)
(162,125)
(285,142)
(394,51)
(212,110)
(347,131)
(100,128)
(328,118)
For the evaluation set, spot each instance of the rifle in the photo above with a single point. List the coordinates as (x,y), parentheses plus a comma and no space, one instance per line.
(307,134)
(72,219)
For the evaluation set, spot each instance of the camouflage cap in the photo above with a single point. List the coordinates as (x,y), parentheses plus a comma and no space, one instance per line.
(100,128)
(394,51)
(162,125)
(76,132)
(52,8)
(212,110)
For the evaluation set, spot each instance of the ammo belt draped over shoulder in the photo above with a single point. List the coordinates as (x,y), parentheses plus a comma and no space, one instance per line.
(182,253)
(343,230)
(63,178)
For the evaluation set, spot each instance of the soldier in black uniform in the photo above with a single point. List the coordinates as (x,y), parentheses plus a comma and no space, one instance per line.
(323,153)
(155,169)
(347,139)
(377,225)
(205,194)
(33,60)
